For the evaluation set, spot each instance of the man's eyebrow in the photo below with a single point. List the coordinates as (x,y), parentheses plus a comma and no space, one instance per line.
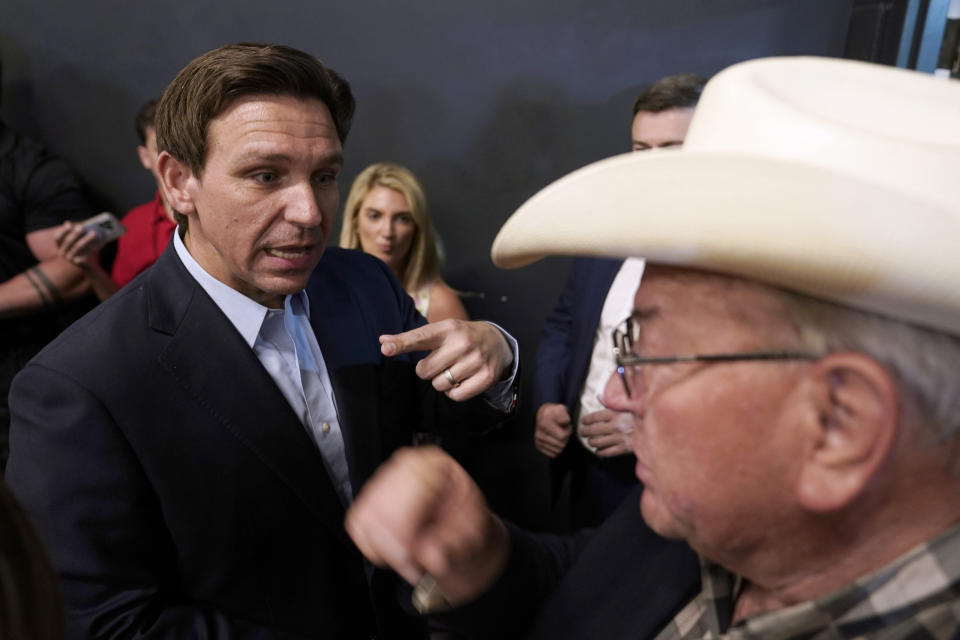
(253,156)
(332,158)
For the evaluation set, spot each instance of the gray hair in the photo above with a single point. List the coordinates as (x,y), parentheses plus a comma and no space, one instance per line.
(924,362)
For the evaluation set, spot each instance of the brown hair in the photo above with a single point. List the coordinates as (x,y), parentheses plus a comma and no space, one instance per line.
(423,262)
(672,92)
(30,605)
(212,81)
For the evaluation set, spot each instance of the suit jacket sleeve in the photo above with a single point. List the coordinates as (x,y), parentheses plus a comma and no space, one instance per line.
(508,609)
(121,575)
(621,580)
(354,294)
(442,415)
(554,351)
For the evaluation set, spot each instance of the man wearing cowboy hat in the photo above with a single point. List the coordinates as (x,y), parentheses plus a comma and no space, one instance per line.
(790,363)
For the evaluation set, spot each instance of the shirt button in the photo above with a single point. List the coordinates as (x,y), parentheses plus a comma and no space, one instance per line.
(326,427)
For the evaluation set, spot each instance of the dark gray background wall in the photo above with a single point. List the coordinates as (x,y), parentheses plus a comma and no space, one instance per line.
(486,101)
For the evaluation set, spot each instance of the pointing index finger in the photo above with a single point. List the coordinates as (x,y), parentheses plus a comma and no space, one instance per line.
(425,338)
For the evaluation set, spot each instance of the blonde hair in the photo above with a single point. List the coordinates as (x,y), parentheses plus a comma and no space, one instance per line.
(422,264)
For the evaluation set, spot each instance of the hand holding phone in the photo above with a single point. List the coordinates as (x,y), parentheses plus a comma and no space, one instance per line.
(106,226)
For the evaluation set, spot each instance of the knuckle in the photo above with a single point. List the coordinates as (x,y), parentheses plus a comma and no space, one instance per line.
(459,342)
(445,325)
(486,376)
(425,369)
(403,455)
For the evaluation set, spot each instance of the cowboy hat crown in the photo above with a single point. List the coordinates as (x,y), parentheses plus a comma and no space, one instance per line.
(831,177)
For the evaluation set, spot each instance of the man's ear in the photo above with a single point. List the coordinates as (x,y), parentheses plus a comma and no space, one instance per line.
(854,422)
(177,182)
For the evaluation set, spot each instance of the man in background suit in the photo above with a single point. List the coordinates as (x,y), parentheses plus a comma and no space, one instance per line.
(187,449)
(573,358)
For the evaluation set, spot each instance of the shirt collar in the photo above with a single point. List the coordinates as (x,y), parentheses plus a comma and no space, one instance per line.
(916,582)
(245,314)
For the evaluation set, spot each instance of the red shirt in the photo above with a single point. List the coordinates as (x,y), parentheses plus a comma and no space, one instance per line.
(148,234)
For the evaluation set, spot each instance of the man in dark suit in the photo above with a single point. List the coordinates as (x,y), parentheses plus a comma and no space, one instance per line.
(187,450)
(573,358)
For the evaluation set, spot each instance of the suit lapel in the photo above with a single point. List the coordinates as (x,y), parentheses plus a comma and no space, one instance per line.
(222,375)
(351,355)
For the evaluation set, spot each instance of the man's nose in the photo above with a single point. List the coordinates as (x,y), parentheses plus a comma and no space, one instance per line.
(302,208)
(615,395)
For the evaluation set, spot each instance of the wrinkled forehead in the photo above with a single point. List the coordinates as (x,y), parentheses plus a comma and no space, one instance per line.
(717,289)
(691,299)
(257,107)
(267,125)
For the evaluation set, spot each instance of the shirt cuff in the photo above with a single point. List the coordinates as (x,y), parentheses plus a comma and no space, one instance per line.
(502,394)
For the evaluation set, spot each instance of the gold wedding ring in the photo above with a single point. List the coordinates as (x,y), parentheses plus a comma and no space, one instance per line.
(453,381)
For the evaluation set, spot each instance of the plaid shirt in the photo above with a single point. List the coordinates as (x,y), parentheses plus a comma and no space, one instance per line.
(917,597)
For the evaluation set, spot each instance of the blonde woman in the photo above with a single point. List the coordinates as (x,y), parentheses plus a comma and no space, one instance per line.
(386,216)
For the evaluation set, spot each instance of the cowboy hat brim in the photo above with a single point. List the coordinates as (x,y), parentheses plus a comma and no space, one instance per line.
(789,224)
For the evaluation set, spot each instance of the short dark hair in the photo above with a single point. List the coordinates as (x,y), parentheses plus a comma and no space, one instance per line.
(213,81)
(672,92)
(146,118)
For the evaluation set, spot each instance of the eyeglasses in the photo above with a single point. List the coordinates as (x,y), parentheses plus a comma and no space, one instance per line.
(627,333)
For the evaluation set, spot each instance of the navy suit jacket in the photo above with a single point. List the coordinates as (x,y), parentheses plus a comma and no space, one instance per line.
(566,344)
(621,580)
(563,359)
(177,492)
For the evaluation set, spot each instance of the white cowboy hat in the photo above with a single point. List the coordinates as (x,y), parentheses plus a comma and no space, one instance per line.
(839,179)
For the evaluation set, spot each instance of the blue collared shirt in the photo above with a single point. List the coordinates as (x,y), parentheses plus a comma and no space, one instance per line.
(287,347)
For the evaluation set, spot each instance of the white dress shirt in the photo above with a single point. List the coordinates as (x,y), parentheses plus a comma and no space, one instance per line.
(616,307)
(285,344)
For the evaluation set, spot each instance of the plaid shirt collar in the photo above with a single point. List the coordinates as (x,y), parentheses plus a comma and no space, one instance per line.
(917,596)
